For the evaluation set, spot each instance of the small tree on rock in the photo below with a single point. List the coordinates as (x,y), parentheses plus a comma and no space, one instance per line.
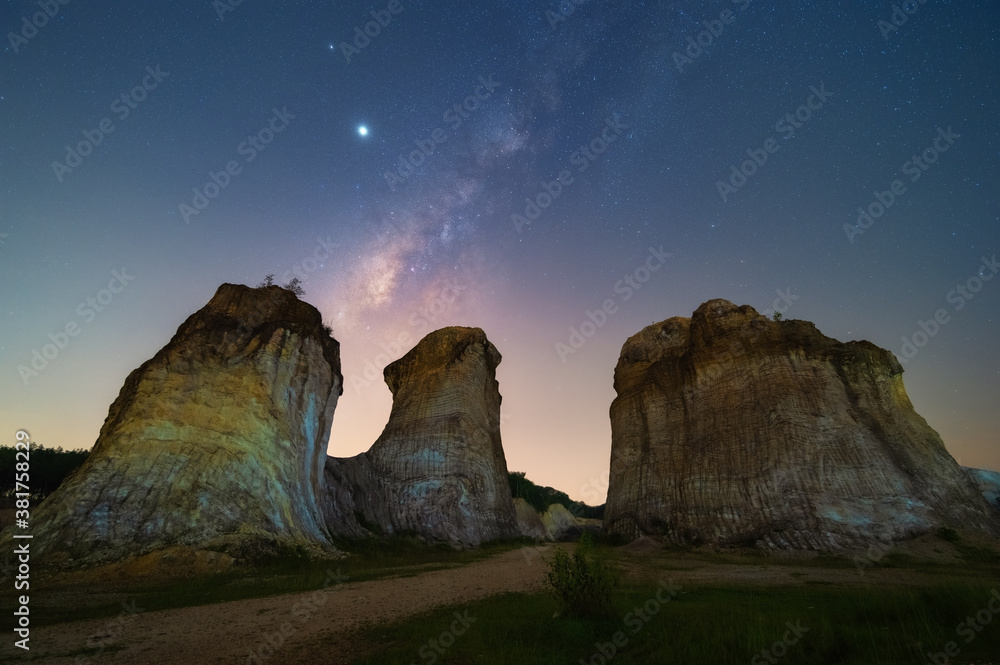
(295,286)
(268,281)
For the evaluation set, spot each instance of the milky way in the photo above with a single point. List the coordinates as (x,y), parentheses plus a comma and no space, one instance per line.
(423,164)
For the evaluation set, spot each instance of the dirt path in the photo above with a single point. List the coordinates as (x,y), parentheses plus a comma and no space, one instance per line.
(317,625)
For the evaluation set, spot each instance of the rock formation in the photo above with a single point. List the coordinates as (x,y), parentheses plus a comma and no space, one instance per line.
(529,522)
(556,523)
(438,469)
(561,524)
(732,429)
(987,482)
(218,441)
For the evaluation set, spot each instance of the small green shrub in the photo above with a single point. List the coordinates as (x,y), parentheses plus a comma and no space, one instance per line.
(581,584)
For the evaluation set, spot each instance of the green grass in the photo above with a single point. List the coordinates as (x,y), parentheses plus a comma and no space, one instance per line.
(704,625)
(290,573)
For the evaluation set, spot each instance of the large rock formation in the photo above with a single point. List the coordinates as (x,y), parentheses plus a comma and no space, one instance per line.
(438,469)
(218,441)
(733,429)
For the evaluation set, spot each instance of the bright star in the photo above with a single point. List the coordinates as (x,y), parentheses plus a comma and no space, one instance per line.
(362,130)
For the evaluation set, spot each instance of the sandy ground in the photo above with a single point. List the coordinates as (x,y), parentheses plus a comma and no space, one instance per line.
(319,627)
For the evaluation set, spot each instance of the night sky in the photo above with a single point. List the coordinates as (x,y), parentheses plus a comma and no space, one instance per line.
(560,180)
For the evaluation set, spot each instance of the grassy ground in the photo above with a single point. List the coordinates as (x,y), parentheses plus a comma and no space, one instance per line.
(655,621)
(708,625)
(854,619)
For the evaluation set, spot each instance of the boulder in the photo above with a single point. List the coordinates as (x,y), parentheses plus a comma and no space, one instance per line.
(561,524)
(529,522)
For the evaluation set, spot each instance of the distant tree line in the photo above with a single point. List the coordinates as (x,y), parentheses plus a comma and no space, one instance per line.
(48,467)
(540,497)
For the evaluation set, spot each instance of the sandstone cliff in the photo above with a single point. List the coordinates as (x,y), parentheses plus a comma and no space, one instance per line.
(733,429)
(438,469)
(218,441)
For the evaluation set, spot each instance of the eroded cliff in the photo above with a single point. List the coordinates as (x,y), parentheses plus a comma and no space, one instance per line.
(733,429)
(438,469)
(218,441)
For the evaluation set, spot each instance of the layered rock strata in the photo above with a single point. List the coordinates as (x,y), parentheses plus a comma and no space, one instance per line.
(438,469)
(733,429)
(218,441)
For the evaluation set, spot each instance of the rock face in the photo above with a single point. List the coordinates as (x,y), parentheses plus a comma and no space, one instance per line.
(218,441)
(438,469)
(557,523)
(733,429)
(529,522)
(561,524)
(987,482)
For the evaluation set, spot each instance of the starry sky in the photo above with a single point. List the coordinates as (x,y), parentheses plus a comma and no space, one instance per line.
(559,174)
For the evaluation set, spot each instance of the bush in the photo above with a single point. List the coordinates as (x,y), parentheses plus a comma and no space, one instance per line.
(581,584)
